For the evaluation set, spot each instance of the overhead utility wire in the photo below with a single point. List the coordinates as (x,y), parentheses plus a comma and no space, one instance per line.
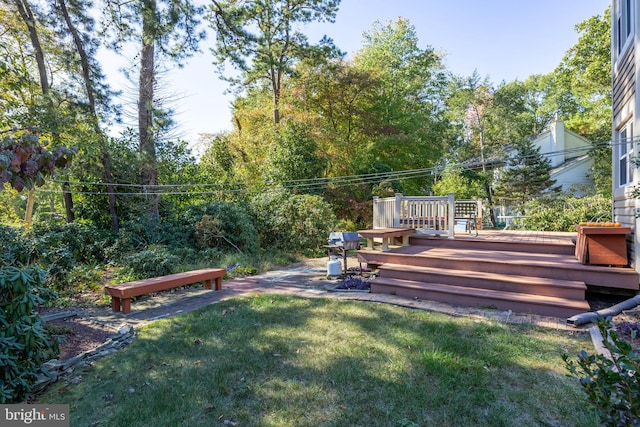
(311,183)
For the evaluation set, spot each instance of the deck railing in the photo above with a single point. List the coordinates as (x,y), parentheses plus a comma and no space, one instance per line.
(427,214)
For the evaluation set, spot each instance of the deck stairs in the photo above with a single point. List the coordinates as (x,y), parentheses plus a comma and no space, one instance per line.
(525,277)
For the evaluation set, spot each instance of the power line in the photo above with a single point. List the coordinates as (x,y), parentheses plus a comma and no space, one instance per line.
(309,184)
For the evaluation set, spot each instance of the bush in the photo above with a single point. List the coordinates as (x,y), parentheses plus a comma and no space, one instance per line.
(561,213)
(62,247)
(17,249)
(220,225)
(152,262)
(292,222)
(612,385)
(84,242)
(24,343)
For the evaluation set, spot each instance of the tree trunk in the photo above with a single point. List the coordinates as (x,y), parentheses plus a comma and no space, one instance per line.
(149,172)
(89,87)
(28,216)
(27,16)
(68,202)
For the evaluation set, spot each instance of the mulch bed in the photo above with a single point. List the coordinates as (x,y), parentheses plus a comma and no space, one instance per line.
(76,335)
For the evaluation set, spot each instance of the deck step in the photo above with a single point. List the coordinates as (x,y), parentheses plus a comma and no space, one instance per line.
(566,247)
(468,296)
(484,280)
(552,266)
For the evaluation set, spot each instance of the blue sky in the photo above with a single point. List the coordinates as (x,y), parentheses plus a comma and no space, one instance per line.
(502,39)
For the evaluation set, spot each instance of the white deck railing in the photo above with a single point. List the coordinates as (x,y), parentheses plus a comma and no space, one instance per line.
(428,214)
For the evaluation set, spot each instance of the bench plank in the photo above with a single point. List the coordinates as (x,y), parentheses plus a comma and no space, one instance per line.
(122,293)
(386,234)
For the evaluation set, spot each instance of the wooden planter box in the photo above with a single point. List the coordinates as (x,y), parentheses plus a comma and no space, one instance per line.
(602,245)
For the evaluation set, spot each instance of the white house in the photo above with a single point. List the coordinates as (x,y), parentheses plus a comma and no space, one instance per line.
(625,46)
(569,156)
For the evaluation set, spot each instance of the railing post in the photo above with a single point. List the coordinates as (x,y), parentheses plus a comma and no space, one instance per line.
(376,213)
(398,210)
(451,214)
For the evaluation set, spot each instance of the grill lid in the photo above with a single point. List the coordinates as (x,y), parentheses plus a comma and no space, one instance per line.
(347,239)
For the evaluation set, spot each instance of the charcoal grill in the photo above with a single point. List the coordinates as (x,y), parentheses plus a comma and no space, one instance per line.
(341,243)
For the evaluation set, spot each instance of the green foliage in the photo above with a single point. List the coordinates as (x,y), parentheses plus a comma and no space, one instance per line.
(463,185)
(562,212)
(219,225)
(291,222)
(611,384)
(24,343)
(62,247)
(154,261)
(295,157)
(17,249)
(261,40)
(525,177)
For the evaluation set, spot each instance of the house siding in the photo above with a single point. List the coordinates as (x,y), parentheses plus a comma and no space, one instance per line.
(624,82)
(625,109)
(574,176)
(624,208)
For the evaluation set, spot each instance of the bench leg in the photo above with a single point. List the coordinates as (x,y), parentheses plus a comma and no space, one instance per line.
(207,284)
(115,304)
(405,240)
(369,243)
(218,283)
(126,305)
(385,244)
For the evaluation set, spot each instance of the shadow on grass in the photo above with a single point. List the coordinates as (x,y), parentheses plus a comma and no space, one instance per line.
(285,361)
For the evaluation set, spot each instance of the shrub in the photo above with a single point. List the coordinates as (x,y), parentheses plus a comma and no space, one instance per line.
(220,225)
(292,222)
(612,385)
(24,343)
(152,262)
(563,212)
(17,249)
(62,247)
(83,241)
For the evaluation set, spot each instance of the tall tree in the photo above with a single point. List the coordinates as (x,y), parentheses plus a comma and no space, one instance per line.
(70,12)
(584,91)
(263,41)
(168,28)
(469,106)
(526,176)
(410,98)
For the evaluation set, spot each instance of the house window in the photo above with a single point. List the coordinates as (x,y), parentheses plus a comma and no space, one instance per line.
(623,22)
(626,152)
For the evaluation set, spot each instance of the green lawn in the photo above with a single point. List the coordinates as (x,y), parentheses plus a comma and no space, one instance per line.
(286,361)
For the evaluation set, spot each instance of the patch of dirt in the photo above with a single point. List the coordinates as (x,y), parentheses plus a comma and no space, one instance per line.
(76,335)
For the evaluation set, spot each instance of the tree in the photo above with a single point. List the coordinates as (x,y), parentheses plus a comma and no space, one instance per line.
(168,29)
(295,158)
(526,176)
(262,41)
(464,184)
(409,100)
(85,46)
(584,91)
(469,107)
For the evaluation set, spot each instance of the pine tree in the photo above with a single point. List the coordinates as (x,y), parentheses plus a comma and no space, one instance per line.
(526,176)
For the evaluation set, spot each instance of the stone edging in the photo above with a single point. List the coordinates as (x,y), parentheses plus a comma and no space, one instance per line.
(55,369)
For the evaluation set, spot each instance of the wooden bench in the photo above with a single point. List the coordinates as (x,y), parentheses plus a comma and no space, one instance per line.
(386,234)
(121,294)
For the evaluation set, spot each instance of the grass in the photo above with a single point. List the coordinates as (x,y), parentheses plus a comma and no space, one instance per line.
(286,361)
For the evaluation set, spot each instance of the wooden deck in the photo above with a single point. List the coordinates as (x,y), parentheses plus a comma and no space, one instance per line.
(522,271)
